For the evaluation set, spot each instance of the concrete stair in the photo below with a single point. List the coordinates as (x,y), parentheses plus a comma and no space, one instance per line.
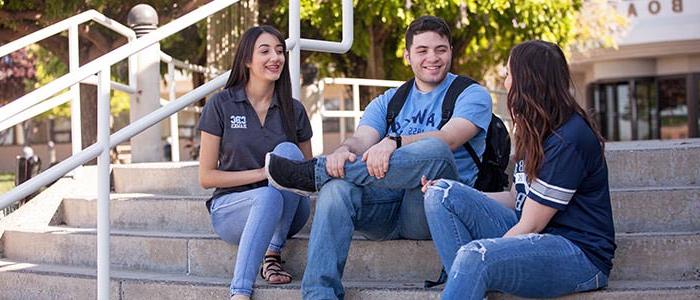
(163,246)
(68,282)
(640,256)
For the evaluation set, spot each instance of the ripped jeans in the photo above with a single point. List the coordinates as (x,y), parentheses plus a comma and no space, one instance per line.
(467,228)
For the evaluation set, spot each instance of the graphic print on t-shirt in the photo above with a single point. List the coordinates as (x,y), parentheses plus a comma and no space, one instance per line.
(521,185)
(416,124)
(238,122)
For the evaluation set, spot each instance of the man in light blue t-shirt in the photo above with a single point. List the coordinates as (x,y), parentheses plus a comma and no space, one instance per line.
(371,182)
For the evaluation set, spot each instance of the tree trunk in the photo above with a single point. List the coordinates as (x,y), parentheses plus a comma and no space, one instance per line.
(375,59)
(88,103)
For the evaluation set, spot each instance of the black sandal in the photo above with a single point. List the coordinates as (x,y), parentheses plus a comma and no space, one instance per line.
(272,266)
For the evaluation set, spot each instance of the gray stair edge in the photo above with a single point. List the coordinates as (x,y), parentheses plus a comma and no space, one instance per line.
(141,197)
(168,197)
(301,236)
(646,145)
(168,278)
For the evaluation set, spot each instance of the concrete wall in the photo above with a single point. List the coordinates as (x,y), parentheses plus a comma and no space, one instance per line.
(624,68)
(679,64)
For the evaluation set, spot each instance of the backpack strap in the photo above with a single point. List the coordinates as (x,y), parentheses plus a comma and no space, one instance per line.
(458,86)
(396,103)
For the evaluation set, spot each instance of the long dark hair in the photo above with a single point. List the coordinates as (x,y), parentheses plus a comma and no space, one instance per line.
(240,75)
(540,99)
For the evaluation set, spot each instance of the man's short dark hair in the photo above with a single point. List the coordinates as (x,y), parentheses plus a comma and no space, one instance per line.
(425,24)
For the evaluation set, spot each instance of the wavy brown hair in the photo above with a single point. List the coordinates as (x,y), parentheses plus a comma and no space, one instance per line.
(540,100)
(240,74)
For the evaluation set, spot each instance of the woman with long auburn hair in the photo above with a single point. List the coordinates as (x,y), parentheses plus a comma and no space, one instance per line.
(253,115)
(552,234)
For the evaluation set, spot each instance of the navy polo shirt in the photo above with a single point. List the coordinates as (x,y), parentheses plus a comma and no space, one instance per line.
(573,179)
(244,140)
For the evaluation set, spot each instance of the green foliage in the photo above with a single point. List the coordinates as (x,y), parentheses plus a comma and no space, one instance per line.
(188,45)
(34,14)
(49,68)
(7,182)
(483,31)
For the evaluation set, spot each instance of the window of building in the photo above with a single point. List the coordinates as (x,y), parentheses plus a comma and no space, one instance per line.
(673,108)
(647,108)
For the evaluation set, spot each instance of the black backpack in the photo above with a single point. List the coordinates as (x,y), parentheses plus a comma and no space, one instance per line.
(492,176)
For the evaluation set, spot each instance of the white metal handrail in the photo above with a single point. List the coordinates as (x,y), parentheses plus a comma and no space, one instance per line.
(105,142)
(125,51)
(90,15)
(342,113)
(19,109)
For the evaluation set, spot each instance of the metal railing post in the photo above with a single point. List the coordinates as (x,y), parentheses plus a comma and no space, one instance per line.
(317,121)
(147,146)
(74,64)
(103,162)
(295,51)
(174,120)
(356,104)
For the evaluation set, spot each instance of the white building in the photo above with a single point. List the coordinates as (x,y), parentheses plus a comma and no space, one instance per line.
(649,88)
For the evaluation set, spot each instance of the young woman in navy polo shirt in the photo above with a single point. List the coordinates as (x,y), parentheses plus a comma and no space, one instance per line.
(552,234)
(253,115)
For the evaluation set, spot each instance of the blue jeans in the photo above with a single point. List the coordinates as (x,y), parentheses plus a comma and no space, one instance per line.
(258,220)
(381,209)
(467,228)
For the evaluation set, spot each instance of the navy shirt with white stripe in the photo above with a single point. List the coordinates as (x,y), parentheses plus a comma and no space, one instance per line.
(573,179)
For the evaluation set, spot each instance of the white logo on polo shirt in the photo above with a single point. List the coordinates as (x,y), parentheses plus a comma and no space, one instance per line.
(238,122)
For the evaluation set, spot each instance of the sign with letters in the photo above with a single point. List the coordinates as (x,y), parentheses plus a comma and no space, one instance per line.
(653,21)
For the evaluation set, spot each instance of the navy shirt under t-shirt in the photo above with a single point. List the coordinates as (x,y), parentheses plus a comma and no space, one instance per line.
(573,179)
(244,141)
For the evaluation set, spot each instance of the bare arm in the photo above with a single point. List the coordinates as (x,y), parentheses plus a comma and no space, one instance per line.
(306,149)
(506,198)
(210,177)
(363,139)
(535,217)
(455,133)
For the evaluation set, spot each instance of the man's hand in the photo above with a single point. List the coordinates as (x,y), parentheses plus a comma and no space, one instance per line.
(377,157)
(335,162)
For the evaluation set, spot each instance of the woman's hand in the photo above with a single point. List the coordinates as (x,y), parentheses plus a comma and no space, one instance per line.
(426,183)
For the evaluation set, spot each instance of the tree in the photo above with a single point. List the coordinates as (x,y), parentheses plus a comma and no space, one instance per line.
(16,73)
(483,31)
(22,17)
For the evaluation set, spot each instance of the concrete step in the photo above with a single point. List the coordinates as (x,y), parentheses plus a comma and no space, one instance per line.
(19,281)
(656,209)
(141,212)
(653,163)
(649,256)
(630,164)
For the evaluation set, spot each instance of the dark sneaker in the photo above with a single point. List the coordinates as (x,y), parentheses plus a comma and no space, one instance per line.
(295,176)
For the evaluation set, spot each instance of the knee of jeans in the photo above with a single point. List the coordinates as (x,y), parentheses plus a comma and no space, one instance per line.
(271,198)
(433,197)
(288,150)
(440,193)
(472,254)
(337,194)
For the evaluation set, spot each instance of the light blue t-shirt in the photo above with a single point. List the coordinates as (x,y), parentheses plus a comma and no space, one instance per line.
(423,112)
